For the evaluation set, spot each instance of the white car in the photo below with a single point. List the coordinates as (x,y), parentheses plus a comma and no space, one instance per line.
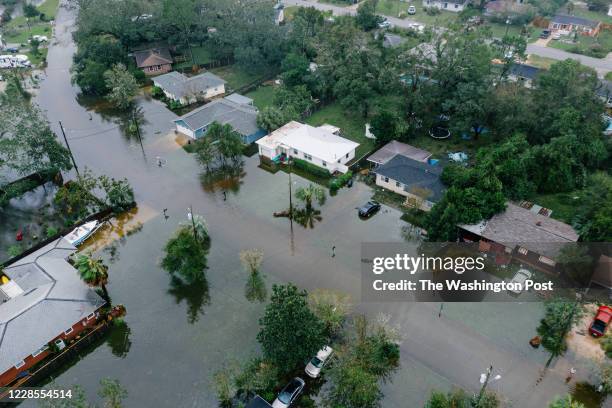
(521,276)
(314,366)
(411,10)
(384,24)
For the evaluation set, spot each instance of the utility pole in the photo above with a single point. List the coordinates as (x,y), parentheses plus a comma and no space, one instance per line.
(195,233)
(485,382)
(69,149)
(138,132)
(290,193)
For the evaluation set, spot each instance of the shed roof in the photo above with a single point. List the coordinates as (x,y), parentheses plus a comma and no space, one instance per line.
(243,118)
(520,226)
(388,151)
(239,99)
(54,298)
(152,57)
(414,174)
(180,85)
(319,141)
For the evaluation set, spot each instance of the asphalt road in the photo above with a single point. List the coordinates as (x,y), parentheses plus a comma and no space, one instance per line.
(602,66)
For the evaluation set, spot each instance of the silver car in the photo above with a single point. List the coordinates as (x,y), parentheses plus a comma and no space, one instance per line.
(289,394)
(314,366)
(520,278)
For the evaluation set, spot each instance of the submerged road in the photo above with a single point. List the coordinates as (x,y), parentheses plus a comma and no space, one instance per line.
(176,338)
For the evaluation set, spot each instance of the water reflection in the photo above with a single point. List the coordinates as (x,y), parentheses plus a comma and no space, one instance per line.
(307,217)
(225,178)
(118,338)
(195,294)
(255,289)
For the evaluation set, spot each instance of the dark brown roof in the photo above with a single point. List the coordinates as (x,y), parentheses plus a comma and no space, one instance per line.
(153,56)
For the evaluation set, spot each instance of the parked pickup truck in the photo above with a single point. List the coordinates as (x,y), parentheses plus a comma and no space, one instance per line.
(601,321)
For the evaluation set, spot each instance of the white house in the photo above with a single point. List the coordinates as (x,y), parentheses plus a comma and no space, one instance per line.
(448,5)
(321,146)
(187,90)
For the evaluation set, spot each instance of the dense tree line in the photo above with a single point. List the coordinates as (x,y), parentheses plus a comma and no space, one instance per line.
(108,29)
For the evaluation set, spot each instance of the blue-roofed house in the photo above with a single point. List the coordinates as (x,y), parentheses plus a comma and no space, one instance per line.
(419,182)
(242,117)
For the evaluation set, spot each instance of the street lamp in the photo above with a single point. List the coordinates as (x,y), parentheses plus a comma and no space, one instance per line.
(508,21)
(485,379)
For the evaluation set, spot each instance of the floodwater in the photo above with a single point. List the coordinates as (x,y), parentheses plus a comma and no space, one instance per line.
(175,337)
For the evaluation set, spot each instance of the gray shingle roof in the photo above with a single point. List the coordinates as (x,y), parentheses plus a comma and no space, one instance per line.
(518,225)
(393,148)
(180,85)
(239,99)
(54,298)
(563,19)
(243,118)
(412,173)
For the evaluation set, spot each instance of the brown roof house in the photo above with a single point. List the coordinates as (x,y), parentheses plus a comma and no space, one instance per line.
(154,61)
(527,236)
(568,24)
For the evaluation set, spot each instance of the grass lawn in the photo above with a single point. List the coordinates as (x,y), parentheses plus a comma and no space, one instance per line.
(584,12)
(609,76)
(353,126)
(49,8)
(17,31)
(584,44)
(444,19)
(440,148)
(262,96)
(21,34)
(37,59)
(235,76)
(392,7)
(540,62)
(563,205)
(200,54)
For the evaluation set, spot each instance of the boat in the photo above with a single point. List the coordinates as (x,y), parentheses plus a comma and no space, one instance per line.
(78,235)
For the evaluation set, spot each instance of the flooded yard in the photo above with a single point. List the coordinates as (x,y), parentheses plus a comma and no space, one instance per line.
(176,337)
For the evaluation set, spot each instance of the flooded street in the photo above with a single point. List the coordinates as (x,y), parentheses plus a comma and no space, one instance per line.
(176,338)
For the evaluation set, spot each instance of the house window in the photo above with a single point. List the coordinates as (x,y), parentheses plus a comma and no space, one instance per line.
(70,330)
(40,351)
(398,184)
(307,156)
(547,261)
(20,364)
(386,179)
(456,6)
(324,164)
(445,5)
(347,155)
(522,251)
(295,151)
(91,316)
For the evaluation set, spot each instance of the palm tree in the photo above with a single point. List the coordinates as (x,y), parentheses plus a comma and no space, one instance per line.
(310,193)
(94,272)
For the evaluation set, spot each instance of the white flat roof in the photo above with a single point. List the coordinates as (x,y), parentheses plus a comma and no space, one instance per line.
(319,142)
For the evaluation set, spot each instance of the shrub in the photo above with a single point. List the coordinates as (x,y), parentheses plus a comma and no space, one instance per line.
(340,181)
(432,11)
(310,168)
(14,250)
(157,92)
(51,232)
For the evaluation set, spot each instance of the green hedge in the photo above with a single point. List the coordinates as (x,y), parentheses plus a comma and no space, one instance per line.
(310,168)
(340,181)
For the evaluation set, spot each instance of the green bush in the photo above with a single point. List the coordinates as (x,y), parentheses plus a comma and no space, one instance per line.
(14,250)
(606,344)
(51,232)
(311,168)
(157,92)
(340,181)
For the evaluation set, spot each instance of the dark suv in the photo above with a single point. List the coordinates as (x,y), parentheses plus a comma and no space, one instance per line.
(369,209)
